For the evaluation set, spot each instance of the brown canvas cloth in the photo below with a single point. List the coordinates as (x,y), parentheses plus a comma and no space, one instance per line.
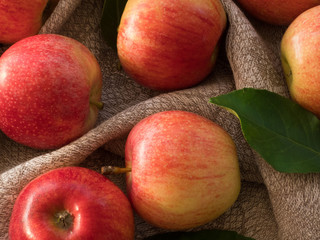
(271,205)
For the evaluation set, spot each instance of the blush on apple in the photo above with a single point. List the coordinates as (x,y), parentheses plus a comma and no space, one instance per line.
(277,12)
(71,203)
(184,170)
(20,19)
(300,58)
(168,45)
(50,89)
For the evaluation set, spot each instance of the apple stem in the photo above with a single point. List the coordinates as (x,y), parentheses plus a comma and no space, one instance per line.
(99,105)
(64,219)
(114,170)
(119,66)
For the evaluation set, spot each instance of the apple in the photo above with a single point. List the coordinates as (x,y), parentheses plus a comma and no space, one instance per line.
(50,89)
(168,45)
(300,58)
(20,19)
(277,12)
(184,170)
(71,203)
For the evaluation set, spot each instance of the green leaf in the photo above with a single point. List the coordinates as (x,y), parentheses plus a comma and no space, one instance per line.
(286,135)
(110,20)
(200,235)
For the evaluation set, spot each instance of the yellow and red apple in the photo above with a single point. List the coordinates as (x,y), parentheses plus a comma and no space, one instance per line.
(184,170)
(300,58)
(50,89)
(71,203)
(168,45)
(277,12)
(20,19)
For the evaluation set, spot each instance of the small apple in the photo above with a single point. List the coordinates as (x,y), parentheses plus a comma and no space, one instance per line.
(184,170)
(71,203)
(50,88)
(300,58)
(20,19)
(277,12)
(168,45)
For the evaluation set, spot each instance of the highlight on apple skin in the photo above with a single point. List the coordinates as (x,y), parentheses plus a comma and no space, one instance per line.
(300,58)
(50,90)
(169,45)
(277,12)
(184,170)
(20,19)
(72,203)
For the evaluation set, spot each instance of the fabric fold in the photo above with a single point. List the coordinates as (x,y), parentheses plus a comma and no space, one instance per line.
(271,205)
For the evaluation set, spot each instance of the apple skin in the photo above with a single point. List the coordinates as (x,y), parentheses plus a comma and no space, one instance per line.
(20,19)
(50,86)
(300,58)
(99,209)
(277,12)
(169,45)
(184,170)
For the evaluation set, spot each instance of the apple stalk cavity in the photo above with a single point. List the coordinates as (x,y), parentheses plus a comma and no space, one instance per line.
(64,220)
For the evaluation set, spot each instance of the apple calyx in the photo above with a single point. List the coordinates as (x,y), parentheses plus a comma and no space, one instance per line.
(99,105)
(114,170)
(64,219)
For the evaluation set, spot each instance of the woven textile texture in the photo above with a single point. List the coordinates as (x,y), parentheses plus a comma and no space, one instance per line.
(271,205)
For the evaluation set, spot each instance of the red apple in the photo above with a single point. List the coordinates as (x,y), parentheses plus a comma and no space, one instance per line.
(184,170)
(300,57)
(50,88)
(71,203)
(277,12)
(167,45)
(20,19)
